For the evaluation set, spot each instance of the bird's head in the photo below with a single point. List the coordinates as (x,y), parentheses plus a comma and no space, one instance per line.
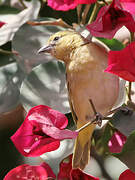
(62,44)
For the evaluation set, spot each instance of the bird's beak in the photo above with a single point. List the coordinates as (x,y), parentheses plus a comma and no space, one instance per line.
(45,49)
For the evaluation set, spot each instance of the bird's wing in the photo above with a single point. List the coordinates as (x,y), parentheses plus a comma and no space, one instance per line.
(71,104)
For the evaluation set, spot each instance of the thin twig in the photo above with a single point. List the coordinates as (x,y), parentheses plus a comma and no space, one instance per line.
(50,178)
(22,3)
(93,107)
(85,13)
(113,111)
(130,83)
(86,125)
(6,52)
(131,36)
(92,122)
(79,8)
(58,22)
(99,116)
(129,91)
(106,3)
(94,13)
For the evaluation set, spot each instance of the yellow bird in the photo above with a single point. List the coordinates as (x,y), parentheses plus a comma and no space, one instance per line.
(85,64)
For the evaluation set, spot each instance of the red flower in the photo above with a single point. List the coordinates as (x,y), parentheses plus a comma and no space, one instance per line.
(1,24)
(127,175)
(85,1)
(110,19)
(122,63)
(41,131)
(26,171)
(65,168)
(116,142)
(77,174)
(44,172)
(67,173)
(128,5)
(65,5)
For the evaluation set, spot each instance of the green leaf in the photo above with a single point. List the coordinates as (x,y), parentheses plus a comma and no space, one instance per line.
(11,77)
(71,123)
(46,85)
(113,44)
(15,21)
(127,155)
(108,132)
(4,9)
(125,123)
(31,42)
(26,42)
(103,138)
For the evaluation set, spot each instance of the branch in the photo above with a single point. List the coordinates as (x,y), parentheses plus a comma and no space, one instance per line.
(6,52)
(85,13)
(58,22)
(129,91)
(23,4)
(79,8)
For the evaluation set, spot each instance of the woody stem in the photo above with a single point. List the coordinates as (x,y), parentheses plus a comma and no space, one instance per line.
(2,51)
(85,13)
(93,107)
(94,13)
(92,122)
(23,4)
(86,125)
(130,83)
(129,91)
(79,8)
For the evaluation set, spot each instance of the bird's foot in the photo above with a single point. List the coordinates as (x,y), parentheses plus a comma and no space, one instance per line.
(98,119)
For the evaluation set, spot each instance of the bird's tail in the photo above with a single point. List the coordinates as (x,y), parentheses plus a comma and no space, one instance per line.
(81,154)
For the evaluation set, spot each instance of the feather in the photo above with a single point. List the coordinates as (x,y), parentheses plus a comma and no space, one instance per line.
(86,79)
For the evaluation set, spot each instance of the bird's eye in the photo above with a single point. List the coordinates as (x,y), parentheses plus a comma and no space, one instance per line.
(56,38)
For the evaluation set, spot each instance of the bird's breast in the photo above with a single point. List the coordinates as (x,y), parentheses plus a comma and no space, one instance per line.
(97,85)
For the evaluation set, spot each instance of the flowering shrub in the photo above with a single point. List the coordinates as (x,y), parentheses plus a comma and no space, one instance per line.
(44,128)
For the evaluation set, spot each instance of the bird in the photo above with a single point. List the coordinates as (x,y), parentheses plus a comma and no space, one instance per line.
(85,62)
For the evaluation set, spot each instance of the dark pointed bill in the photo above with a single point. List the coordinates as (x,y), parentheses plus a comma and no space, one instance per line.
(45,49)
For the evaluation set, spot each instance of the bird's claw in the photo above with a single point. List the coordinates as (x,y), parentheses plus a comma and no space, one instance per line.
(98,119)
